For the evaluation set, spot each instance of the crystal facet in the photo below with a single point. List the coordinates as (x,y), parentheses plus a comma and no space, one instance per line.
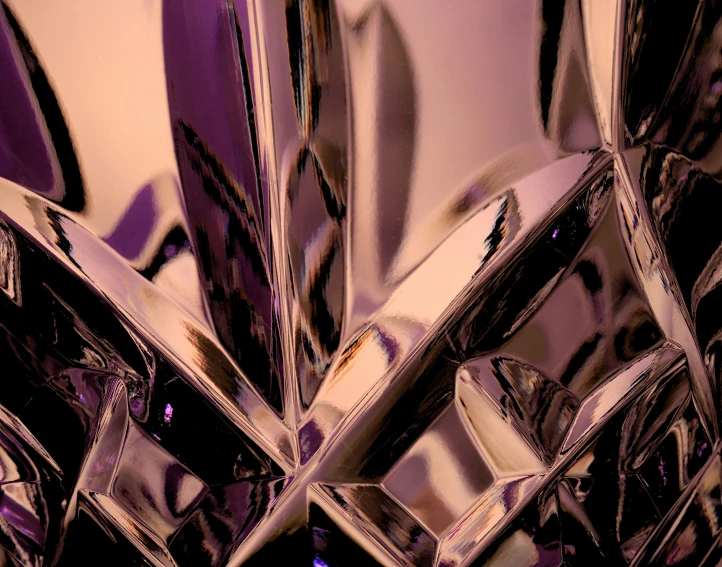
(360,282)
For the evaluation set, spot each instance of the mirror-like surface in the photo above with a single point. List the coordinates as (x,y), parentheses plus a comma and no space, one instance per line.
(360,282)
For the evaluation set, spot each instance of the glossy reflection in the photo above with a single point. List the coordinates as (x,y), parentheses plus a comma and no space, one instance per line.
(357,282)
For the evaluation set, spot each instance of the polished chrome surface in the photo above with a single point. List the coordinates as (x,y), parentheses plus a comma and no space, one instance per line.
(358,282)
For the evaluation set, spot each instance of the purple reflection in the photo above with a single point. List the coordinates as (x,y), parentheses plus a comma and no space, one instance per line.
(662,471)
(21,519)
(168,414)
(136,224)
(205,83)
(212,119)
(24,154)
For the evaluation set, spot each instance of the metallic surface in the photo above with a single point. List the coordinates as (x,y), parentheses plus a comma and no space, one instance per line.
(357,282)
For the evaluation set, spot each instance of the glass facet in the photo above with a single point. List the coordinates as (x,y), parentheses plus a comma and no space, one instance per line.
(360,282)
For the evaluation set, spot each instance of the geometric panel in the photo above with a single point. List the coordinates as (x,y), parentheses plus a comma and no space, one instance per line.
(552,531)
(394,534)
(30,495)
(693,526)
(333,548)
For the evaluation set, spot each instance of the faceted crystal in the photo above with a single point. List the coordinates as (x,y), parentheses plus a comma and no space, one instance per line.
(360,282)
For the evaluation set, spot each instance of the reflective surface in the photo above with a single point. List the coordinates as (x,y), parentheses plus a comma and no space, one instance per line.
(359,282)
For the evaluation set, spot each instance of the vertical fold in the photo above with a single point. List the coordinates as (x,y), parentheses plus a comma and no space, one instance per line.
(211,118)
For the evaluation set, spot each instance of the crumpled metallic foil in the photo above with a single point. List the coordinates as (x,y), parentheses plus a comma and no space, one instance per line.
(342,283)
